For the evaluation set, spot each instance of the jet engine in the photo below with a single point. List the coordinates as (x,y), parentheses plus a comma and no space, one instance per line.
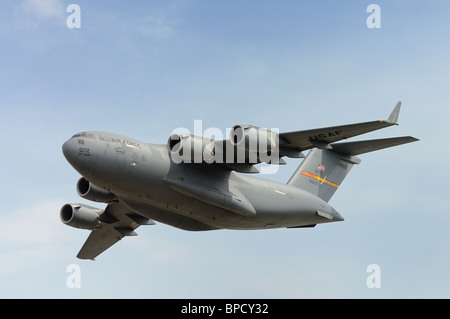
(190,148)
(254,144)
(89,191)
(81,216)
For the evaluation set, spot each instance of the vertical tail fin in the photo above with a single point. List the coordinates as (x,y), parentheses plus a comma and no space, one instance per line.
(322,172)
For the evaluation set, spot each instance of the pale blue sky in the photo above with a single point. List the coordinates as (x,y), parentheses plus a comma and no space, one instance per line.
(144,68)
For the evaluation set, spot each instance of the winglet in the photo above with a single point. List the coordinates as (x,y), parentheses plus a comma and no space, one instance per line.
(393,118)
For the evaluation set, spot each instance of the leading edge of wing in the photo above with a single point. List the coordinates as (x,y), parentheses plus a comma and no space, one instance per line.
(303,140)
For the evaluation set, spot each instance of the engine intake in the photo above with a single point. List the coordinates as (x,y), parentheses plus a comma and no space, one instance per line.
(81,216)
(89,191)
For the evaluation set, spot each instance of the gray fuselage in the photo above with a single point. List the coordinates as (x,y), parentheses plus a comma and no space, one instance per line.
(190,196)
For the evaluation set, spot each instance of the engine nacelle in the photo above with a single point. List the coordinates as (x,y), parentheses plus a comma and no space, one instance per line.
(89,191)
(190,148)
(255,144)
(81,216)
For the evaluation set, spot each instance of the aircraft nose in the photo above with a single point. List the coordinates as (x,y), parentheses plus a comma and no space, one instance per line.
(80,153)
(65,148)
(68,150)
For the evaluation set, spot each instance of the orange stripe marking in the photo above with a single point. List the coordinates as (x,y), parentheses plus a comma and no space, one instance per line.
(320,179)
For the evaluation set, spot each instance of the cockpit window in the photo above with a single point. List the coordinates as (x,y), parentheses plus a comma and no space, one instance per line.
(85,135)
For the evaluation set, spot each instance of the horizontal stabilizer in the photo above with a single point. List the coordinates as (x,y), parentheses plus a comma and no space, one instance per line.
(361,147)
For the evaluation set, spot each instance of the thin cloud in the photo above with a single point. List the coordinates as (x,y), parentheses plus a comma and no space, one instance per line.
(44,9)
(35,224)
(30,14)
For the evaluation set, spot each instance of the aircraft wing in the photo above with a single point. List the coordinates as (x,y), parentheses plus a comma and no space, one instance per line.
(290,144)
(304,140)
(322,137)
(119,221)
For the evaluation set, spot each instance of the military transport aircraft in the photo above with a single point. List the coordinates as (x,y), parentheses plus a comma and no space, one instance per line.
(196,183)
